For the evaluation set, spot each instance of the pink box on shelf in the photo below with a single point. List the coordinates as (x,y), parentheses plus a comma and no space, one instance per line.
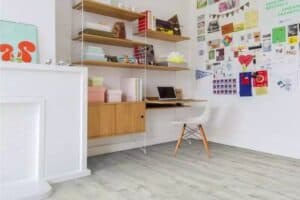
(114,96)
(96,94)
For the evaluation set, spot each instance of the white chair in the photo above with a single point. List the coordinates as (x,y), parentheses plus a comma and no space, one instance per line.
(188,130)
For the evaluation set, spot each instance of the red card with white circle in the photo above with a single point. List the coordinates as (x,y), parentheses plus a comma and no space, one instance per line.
(261,79)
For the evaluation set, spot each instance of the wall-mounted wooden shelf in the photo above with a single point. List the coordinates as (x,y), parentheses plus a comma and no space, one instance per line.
(108,41)
(107,10)
(162,36)
(130,66)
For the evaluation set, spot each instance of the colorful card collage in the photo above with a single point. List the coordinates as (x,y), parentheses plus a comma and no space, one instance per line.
(225,86)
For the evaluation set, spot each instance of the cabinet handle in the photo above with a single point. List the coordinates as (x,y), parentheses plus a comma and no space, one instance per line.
(142,116)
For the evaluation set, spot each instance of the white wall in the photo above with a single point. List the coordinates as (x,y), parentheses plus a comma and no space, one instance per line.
(268,123)
(36,12)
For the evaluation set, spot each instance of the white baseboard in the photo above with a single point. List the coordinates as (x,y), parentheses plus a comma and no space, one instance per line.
(69,176)
(25,190)
(111,148)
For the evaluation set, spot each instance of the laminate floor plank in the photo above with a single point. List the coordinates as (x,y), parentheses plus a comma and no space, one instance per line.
(231,174)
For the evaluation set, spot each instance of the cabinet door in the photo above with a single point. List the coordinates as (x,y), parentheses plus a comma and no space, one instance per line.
(130,118)
(138,117)
(93,121)
(107,120)
(101,120)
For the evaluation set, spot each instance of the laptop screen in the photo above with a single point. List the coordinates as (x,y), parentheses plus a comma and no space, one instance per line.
(166,92)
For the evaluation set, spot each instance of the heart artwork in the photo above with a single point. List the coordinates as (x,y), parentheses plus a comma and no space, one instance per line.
(245,60)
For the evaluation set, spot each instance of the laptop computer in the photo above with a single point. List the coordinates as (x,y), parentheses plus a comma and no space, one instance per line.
(166,93)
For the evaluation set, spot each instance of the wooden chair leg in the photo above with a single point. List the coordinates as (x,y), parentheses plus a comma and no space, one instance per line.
(204,140)
(180,139)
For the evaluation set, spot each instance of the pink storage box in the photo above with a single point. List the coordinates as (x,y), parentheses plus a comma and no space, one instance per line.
(96,94)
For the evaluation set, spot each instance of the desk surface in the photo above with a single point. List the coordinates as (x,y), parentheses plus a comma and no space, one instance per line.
(173,102)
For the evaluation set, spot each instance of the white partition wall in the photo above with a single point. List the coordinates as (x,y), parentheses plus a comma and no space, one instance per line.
(22,147)
(43,123)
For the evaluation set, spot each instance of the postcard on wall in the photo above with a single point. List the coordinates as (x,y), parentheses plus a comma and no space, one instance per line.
(251,19)
(256,36)
(260,79)
(279,35)
(201,25)
(260,82)
(201,38)
(212,55)
(245,84)
(220,54)
(218,70)
(292,51)
(238,27)
(267,43)
(293,40)
(228,28)
(201,4)
(293,30)
(228,5)
(213,26)
(214,44)
(201,28)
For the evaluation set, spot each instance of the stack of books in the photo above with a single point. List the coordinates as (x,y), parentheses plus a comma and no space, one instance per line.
(132,89)
(99,29)
(94,53)
(148,22)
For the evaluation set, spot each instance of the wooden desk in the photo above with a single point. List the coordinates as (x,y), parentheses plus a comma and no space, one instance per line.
(152,103)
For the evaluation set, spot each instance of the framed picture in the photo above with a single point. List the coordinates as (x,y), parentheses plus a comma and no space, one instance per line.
(18,42)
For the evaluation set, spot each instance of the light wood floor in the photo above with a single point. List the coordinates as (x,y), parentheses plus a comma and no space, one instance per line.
(231,173)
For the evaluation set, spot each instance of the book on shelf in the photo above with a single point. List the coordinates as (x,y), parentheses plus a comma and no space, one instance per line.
(147,22)
(132,89)
(145,55)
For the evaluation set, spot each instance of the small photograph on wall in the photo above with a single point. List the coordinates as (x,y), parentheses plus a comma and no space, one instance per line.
(213,26)
(228,5)
(18,42)
(214,44)
(293,30)
(267,43)
(220,54)
(201,4)
(212,55)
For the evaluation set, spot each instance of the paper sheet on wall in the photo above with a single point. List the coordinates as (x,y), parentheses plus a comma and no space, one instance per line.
(279,35)
(245,84)
(251,19)
(261,82)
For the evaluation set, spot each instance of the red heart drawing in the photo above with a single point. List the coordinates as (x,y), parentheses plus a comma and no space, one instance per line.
(245,60)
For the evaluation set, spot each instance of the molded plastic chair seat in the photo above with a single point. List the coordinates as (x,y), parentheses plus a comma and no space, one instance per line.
(194,121)
(188,131)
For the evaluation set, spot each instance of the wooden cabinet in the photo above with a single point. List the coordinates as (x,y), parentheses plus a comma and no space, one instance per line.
(109,119)
(130,118)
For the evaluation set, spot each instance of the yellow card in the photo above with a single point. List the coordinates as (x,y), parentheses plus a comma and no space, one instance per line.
(251,19)
(238,27)
(293,40)
(261,91)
